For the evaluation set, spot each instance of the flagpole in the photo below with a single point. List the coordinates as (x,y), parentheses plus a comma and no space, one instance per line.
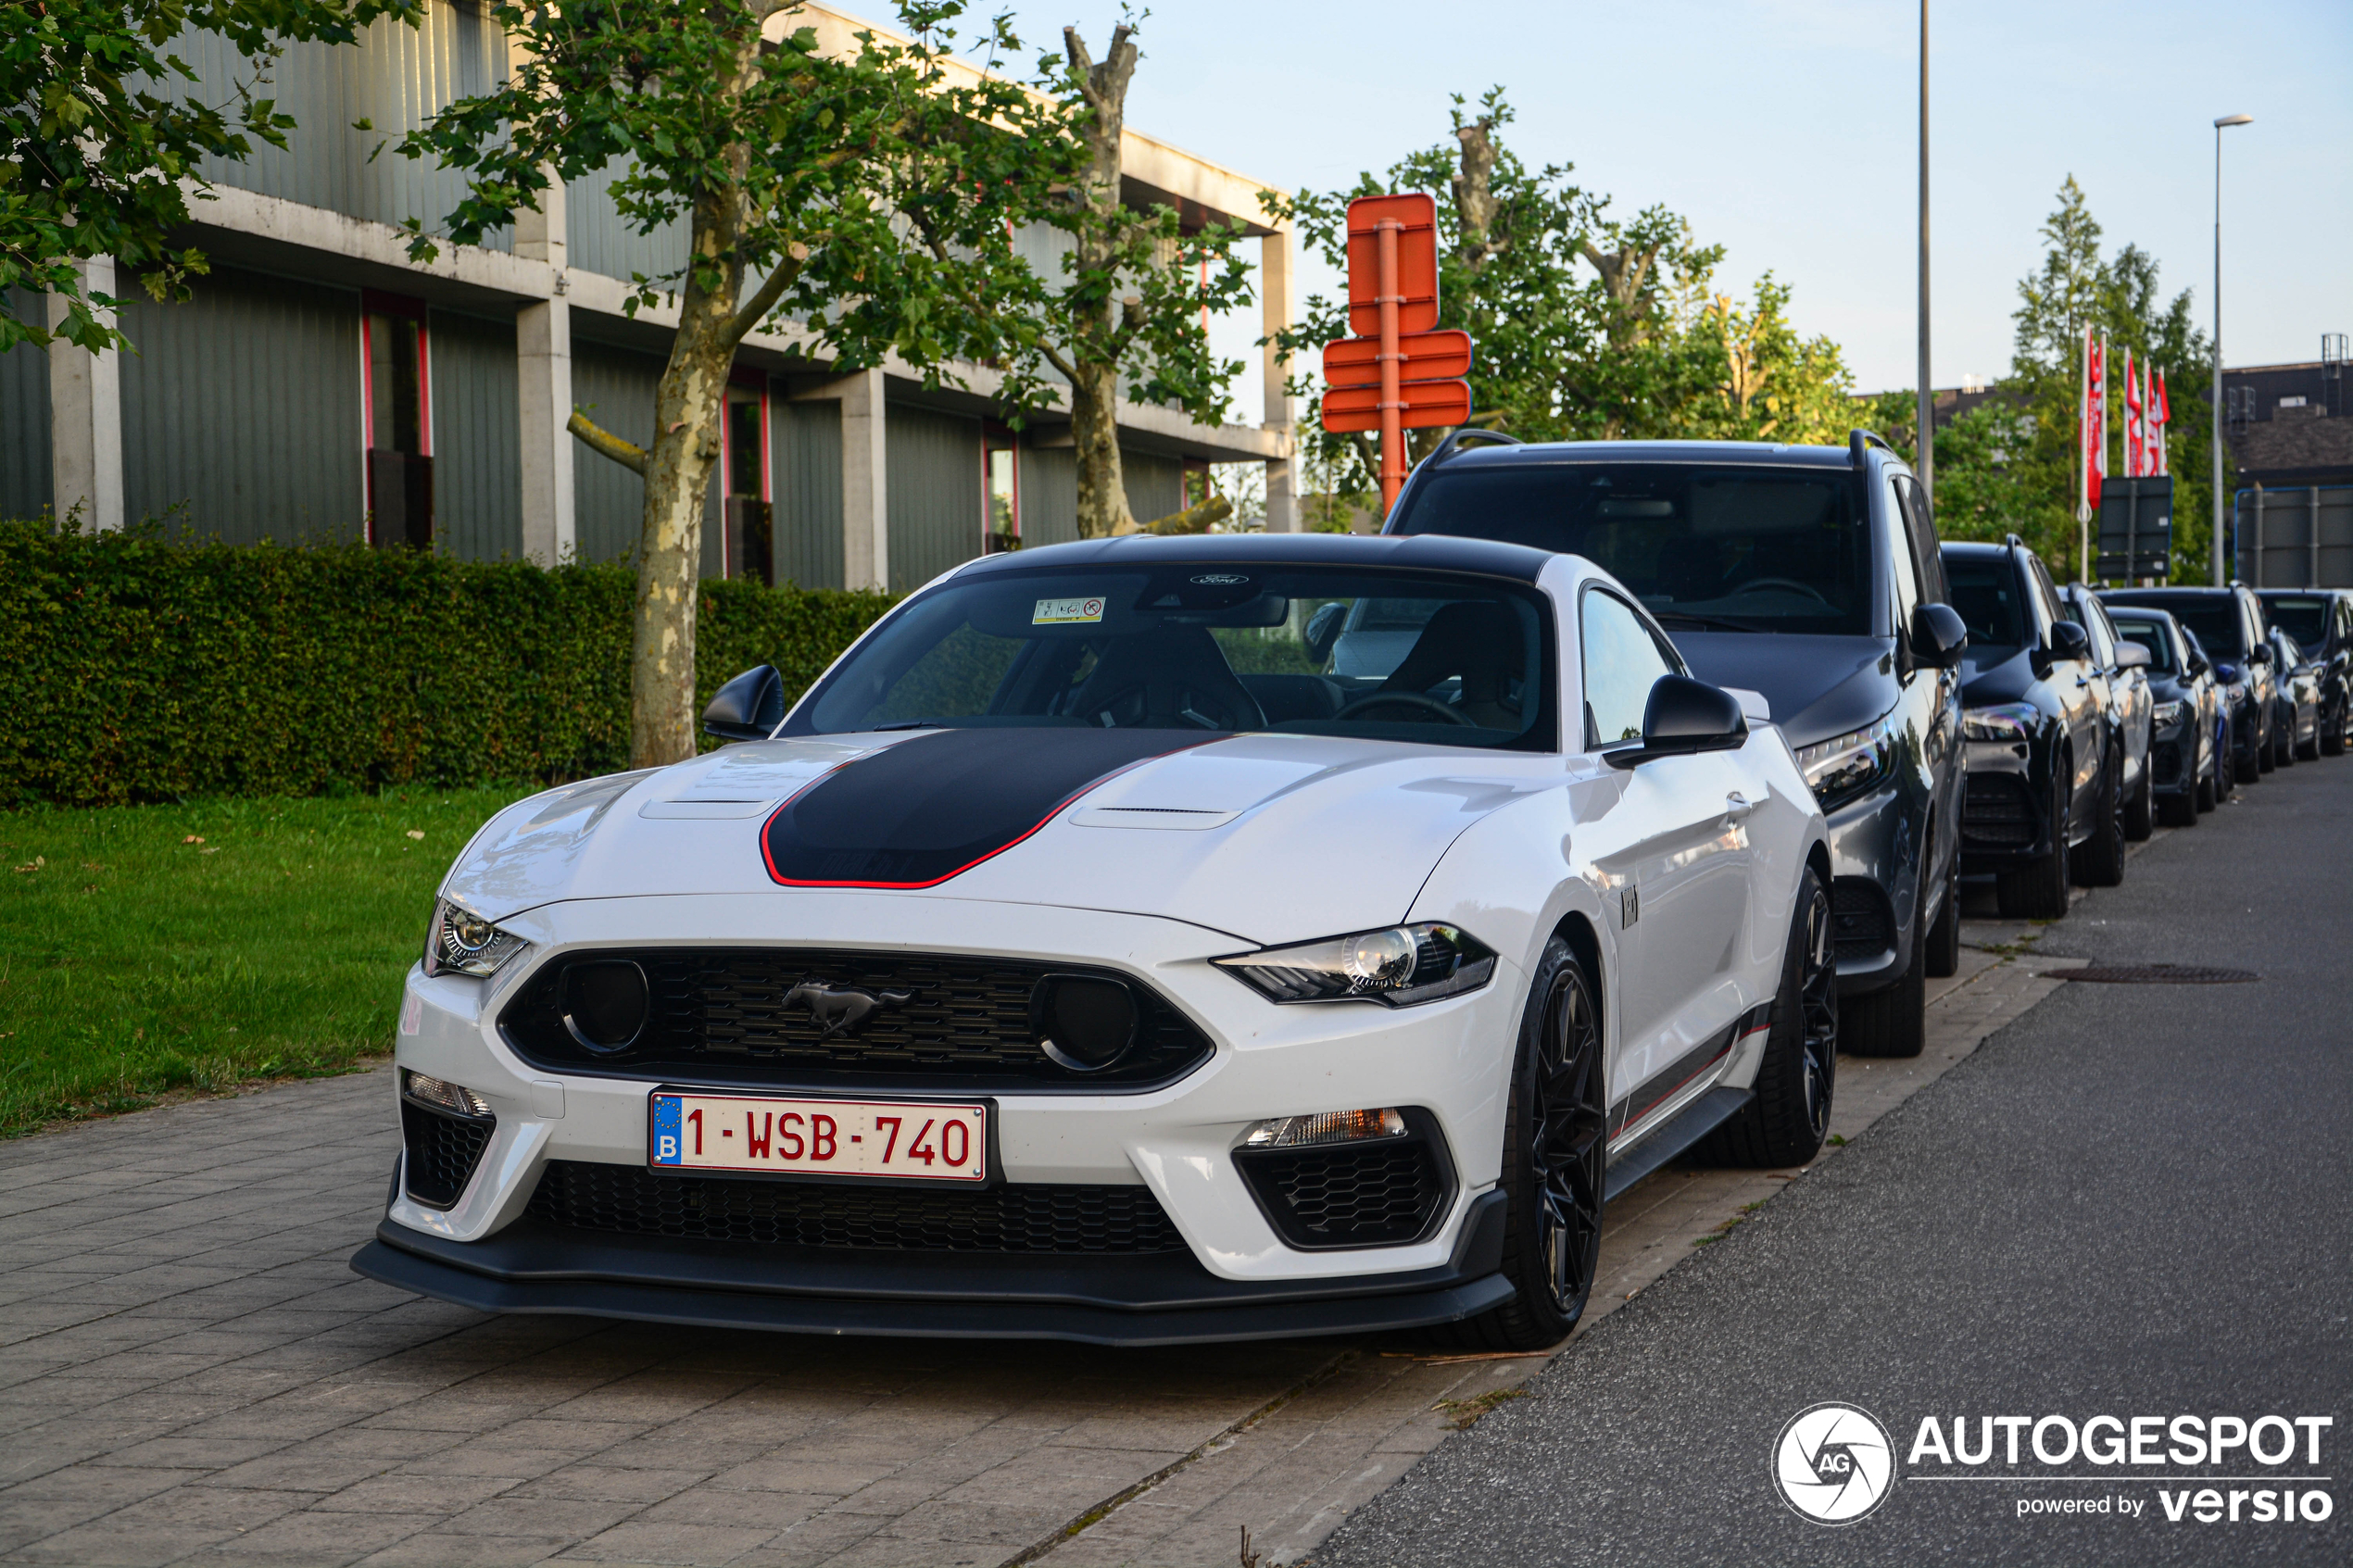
(1924,451)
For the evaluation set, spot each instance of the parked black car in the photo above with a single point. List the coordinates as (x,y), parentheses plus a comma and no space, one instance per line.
(1806,574)
(2226,777)
(2188,755)
(2046,764)
(2125,665)
(2229,624)
(2296,715)
(2321,620)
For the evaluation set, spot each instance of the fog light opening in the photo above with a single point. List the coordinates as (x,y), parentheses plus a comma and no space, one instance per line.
(604,1003)
(451,1097)
(1327,1127)
(1084,1023)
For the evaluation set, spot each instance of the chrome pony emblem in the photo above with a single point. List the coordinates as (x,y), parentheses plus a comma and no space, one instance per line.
(843,1008)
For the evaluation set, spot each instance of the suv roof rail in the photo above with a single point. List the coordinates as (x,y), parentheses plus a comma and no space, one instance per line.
(1468,435)
(2014,542)
(1860,441)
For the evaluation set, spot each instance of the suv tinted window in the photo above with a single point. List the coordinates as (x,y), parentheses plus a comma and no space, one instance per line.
(2150,634)
(1622,662)
(2304,616)
(1985,594)
(1921,527)
(1727,548)
(2086,610)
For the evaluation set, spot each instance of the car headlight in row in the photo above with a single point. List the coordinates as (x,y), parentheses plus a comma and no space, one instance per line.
(2165,715)
(1845,765)
(2010,722)
(1397,966)
(460,941)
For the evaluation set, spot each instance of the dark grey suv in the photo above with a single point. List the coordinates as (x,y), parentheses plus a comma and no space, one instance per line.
(1808,575)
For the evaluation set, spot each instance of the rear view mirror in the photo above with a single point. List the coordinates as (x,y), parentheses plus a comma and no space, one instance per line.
(1323,630)
(2068,640)
(2132,655)
(2259,654)
(1684,716)
(1939,636)
(747,707)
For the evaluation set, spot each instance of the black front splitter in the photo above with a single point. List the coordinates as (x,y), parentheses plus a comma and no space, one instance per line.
(1160,1300)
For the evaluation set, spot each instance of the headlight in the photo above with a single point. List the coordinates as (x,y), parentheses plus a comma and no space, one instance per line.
(2011,721)
(1397,967)
(1846,764)
(460,941)
(2165,715)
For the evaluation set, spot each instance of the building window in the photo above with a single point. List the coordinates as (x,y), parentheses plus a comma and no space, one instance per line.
(750,538)
(1000,491)
(397,411)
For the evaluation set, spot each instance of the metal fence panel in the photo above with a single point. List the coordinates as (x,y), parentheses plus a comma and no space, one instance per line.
(2298,538)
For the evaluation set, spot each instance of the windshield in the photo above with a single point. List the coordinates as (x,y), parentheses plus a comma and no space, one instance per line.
(2151,636)
(1985,590)
(2306,620)
(2214,617)
(1350,651)
(1735,549)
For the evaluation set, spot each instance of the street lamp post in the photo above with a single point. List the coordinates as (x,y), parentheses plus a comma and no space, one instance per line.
(1925,407)
(2220,577)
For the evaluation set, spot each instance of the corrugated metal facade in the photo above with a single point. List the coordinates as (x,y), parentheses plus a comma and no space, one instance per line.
(1048,496)
(616,388)
(395,79)
(804,469)
(477,437)
(24,420)
(243,402)
(598,240)
(1155,485)
(933,480)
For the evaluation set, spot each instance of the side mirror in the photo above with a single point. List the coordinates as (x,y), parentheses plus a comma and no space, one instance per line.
(1684,716)
(2068,640)
(1323,630)
(2227,674)
(1939,636)
(2259,654)
(747,707)
(2132,655)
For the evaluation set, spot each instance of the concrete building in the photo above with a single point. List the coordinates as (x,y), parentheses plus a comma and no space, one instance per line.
(320,386)
(2290,429)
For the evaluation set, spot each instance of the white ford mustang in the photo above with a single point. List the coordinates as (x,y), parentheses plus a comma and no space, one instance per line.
(1139,941)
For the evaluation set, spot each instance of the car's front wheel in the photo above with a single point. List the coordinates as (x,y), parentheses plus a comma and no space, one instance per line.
(2332,735)
(1556,1149)
(1785,1123)
(2140,812)
(2037,890)
(2098,861)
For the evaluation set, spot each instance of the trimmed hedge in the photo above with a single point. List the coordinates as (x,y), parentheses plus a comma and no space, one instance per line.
(138,667)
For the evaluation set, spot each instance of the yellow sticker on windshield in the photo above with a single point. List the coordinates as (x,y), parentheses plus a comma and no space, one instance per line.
(1059,612)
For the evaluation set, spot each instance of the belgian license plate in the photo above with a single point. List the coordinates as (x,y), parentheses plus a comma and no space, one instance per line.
(928,1141)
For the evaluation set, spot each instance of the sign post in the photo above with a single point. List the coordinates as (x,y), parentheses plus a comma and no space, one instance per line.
(1398,372)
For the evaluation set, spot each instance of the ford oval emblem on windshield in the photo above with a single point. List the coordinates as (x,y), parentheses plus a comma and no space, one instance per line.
(1220,579)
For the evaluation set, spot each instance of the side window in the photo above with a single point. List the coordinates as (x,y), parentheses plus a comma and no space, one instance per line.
(1907,566)
(1920,526)
(2103,635)
(1622,661)
(2052,611)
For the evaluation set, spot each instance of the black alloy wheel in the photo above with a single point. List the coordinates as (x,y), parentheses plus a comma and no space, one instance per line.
(2267,747)
(2037,890)
(2284,751)
(1556,1151)
(2332,737)
(1785,1123)
(1945,937)
(2098,861)
(2140,812)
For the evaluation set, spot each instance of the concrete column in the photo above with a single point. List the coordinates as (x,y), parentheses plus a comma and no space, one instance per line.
(865,511)
(543,380)
(1275,304)
(85,417)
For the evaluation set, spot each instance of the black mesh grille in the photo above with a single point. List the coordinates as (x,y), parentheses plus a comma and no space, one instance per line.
(1376,1194)
(1998,811)
(720,1016)
(2165,762)
(1015,1218)
(1861,924)
(443,1151)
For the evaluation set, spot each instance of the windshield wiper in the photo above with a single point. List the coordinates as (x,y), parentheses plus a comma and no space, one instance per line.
(907,724)
(1708,622)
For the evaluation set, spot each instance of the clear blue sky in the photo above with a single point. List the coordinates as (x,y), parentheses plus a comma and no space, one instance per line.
(1784,130)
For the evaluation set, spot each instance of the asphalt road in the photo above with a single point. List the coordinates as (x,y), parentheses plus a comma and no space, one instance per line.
(2137,1200)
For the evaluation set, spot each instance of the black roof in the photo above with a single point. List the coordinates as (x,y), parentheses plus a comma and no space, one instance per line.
(1757,452)
(1424,552)
(2160,595)
(1965,548)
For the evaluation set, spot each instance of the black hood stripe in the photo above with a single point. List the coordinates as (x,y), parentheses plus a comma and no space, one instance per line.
(933,807)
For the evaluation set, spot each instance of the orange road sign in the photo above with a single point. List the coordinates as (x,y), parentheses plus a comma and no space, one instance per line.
(1423,403)
(1416,287)
(1355,361)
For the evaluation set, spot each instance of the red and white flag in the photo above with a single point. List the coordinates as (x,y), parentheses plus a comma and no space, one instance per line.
(2095,421)
(2132,430)
(2162,412)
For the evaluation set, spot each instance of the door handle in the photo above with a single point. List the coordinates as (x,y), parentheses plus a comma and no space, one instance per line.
(1737,806)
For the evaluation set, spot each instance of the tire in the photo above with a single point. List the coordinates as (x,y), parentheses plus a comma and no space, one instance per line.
(1892,1022)
(2140,812)
(2098,861)
(2205,788)
(1555,1150)
(2256,764)
(1943,955)
(2332,737)
(2267,754)
(2038,889)
(1786,1122)
(2309,751)
(2284,752)
(2181,811)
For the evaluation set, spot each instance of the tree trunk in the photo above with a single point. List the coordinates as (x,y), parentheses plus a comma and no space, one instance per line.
(1094,353)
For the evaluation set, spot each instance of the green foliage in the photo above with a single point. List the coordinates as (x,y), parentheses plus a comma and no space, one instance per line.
(142,669)
(99,157)
(1633,345)
(158,950)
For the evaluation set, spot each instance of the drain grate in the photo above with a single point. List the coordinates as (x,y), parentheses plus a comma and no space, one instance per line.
(2158,974)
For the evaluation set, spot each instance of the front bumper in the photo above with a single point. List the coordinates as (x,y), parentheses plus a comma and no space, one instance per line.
(2006,815)
(1234,1276)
